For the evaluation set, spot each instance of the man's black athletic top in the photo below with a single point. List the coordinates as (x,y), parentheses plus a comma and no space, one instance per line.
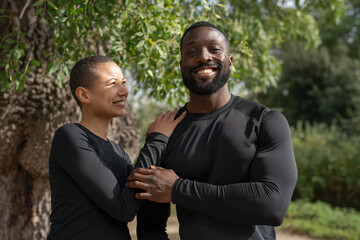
(237,174)
(87,178)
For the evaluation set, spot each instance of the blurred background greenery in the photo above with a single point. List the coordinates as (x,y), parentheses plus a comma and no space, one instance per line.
(300,57)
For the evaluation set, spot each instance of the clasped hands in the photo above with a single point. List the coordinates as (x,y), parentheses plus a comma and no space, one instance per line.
(157,182)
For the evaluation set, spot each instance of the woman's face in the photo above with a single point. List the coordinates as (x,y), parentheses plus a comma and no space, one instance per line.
(109,92)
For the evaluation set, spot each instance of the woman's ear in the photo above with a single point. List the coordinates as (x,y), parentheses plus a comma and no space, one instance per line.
(83,95)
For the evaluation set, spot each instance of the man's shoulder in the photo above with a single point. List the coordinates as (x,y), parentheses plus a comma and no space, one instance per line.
(248,105)
(255,109)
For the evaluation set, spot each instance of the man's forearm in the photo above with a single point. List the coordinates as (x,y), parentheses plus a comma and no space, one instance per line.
(256,203)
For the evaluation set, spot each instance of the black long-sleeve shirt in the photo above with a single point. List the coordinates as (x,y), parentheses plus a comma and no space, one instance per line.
(237,174)
(87,178)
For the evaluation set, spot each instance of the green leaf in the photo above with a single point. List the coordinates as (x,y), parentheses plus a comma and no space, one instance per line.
(35,62)
(57,32)
(10,41)
(17,52)
(6,86)
(60,78)
(140,44)
(73,12)
(101,32)
(22,83)
(142,61)
(38,11)
(52,5)
(66,70)
(150,73)
(55,67)
(38,3)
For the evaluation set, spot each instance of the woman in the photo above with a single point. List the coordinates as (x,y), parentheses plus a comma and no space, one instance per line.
(88,172)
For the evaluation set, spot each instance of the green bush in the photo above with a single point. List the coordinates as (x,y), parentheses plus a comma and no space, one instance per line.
(328,163)
(320,220)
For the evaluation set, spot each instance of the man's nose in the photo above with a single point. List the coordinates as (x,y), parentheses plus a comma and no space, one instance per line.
(205,56)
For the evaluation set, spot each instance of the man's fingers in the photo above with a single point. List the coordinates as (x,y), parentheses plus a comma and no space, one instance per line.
(138,184)
(140,175)
(144,195)
(137,177)
(143,171)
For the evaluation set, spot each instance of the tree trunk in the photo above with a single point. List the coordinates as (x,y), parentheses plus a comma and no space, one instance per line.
(28,120)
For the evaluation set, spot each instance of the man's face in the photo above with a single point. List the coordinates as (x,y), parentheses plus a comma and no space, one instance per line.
(205,61)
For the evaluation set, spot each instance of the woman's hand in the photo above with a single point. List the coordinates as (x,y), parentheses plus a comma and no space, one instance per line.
(165,123)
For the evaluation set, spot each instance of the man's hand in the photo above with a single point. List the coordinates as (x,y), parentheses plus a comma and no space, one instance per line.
(156,181)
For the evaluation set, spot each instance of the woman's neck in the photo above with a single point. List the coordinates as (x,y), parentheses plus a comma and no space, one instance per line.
(99,127)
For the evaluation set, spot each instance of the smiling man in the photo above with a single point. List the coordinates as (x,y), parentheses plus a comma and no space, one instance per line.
(229,166)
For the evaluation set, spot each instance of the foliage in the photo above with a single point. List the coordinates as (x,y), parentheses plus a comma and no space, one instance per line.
(322,221)
(328,162)
(347,30)
(316,85)
(265,27)
(143,36)
(146,113)
(322,84)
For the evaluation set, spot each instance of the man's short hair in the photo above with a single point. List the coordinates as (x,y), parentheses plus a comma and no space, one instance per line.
(205,24)
(83,73)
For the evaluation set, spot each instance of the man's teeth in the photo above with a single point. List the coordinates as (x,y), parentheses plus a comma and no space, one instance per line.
(119,102)
(205,71)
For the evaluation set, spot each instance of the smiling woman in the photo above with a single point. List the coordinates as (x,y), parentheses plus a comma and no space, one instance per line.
(107,96)
(87,171)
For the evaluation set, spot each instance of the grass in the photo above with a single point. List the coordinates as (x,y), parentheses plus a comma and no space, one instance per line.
(320,220)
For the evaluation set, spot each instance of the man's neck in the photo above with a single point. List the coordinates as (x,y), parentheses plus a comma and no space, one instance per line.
(208,103)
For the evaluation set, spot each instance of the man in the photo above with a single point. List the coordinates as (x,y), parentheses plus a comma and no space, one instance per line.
(233,168)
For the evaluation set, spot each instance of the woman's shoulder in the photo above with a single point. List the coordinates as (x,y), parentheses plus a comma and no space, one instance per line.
(70,130)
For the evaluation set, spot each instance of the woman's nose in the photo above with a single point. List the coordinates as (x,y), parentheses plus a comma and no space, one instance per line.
(123,90)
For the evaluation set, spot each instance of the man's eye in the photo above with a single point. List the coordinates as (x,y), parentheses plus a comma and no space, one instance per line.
(215,49)
(192,52)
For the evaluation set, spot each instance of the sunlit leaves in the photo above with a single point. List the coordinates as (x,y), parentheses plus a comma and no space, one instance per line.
(143,37)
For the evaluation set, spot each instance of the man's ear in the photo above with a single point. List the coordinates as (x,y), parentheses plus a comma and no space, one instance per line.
(231,63)
(83,95)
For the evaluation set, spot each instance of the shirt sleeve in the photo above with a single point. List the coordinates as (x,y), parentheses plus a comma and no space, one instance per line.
(152,217)
(152,152)
(73,151)
(265,199)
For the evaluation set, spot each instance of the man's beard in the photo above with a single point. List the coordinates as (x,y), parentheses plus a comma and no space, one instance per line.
(206,88)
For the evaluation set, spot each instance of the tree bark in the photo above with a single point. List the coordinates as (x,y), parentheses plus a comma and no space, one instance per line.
(28,120)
